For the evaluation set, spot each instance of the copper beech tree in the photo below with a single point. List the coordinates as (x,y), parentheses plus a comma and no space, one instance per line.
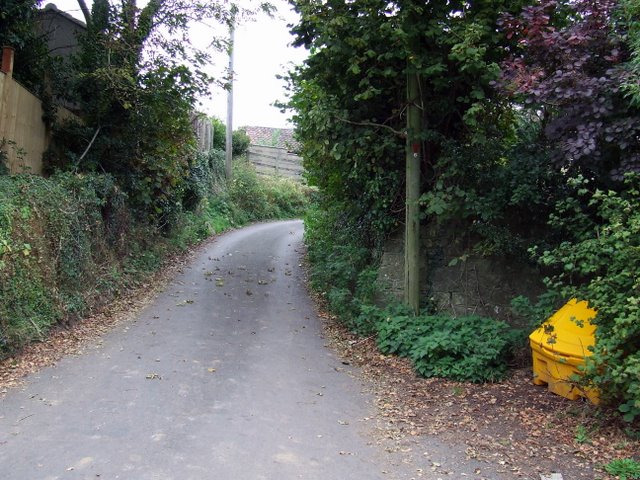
(571,64)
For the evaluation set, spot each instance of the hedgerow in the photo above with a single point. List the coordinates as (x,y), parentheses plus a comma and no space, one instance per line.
(71,243)
(520,102)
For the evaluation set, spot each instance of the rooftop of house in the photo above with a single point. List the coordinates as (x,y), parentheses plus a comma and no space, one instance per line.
(61,30)
(52,7)
(272,137)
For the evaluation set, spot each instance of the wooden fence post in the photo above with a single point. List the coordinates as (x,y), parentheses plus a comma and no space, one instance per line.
(7,60)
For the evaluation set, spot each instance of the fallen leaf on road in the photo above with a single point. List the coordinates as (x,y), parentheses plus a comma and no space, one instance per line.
(211,370)
(153,376)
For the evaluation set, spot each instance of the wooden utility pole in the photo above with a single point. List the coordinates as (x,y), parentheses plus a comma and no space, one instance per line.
(229,140)
(412,217)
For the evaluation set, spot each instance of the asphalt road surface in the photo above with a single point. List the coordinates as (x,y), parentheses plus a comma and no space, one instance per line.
(224,376)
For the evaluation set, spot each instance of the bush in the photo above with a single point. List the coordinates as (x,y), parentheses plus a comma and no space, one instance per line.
(599,261)
(473,349)
(4,167)
(219,134)
(239,139)
(342,267)
(57,237)
(71,242)
(207,172)
(261,198)
(240,142)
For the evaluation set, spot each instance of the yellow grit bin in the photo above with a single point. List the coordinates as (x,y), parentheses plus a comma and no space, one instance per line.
(560,346)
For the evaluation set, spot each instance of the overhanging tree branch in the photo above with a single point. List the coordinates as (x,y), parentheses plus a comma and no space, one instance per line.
(400,133)
(85,11)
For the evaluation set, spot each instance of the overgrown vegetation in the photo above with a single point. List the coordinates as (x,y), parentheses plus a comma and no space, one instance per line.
(530,114)
(71,242)
(599,259)
(128,185)
(472,349)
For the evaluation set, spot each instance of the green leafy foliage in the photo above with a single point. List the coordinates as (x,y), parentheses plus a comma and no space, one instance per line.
(470,349)
(629,14)
(473,349)
(624,468)
(219,134)
(55,235)
(71,242)
(240,142)
(259,198)
(350,95)
(135,82)
(582,434)
(4,166)
(503,196)
(533,314)
(599,260)
(341,264)
(350,106)
(239,139)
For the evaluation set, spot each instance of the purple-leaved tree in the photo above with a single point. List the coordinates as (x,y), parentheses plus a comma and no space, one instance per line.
(569,67)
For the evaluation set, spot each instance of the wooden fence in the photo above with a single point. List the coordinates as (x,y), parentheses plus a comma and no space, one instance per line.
(22,130)
(276,162)
(24,137)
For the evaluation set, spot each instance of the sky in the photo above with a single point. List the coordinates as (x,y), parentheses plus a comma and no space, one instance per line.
(262,50)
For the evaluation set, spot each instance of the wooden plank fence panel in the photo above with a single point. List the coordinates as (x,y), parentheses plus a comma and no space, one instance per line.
(276,162)
(21,124)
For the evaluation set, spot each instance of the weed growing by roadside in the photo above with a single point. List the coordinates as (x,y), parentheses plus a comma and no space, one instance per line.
(624,468)
(582,434)
(343,270)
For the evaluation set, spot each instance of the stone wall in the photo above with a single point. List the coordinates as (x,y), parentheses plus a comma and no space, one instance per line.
(470,284)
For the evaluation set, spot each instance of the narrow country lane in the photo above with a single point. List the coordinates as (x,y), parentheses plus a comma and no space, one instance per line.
(225,375)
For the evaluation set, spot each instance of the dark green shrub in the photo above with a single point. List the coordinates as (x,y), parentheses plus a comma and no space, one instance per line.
(342,265)
(198,183)
(247,192)
(473,349)
(216,164)
(4,168)
(261,198)
(219,134)
(240,142)
(56,238)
